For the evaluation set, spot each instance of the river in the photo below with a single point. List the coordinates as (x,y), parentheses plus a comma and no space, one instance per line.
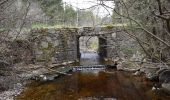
(93,85)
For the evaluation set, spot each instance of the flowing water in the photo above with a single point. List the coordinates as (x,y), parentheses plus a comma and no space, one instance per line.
(90,58)
(93,85)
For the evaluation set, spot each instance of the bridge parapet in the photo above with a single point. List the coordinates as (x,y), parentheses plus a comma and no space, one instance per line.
(97,31)
(84,31)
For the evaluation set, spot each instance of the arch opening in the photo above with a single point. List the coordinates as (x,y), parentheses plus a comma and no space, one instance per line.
(91,50)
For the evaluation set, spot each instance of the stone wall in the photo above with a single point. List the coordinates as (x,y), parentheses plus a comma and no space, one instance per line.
(54,45)
(62,45)
(121,45)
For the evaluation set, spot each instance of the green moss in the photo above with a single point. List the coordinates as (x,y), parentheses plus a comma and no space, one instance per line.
(44,34)
(109,26)
(20,41)
(50,45)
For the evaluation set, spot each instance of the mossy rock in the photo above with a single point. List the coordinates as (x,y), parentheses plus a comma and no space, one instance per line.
(109,26)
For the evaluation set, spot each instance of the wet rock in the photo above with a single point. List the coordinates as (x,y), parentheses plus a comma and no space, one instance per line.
(128,66)
(150,71)
(152,77)
(160,71)
(164,76)
(137,73)
(40,71)
(105,59)
(120,67)
(153,88)
(45,77)
(166,87)
(156,87)
(111,66)
(48,77)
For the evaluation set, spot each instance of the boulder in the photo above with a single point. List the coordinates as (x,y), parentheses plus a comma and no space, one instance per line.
(111,66)
(160,71)
(166,87)
(119,67)
(128,66)
(165,76)
(137,73)
(152,77)
(151,71)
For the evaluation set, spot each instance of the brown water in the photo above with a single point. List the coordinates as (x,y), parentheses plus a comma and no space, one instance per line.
(99,85)
(93,85)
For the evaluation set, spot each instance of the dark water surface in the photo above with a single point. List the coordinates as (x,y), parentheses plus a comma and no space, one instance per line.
(93,85)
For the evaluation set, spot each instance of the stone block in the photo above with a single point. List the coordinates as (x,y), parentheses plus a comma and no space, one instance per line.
(52,30)
(48,39)
(44,44)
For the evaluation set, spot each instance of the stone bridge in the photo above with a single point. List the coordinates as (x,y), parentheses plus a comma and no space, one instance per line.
(59,45)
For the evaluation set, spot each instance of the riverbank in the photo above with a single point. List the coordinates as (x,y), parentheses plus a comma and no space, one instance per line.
(13,79)
(154,72)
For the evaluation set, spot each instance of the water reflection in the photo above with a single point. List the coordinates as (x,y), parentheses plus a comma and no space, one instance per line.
(91,72)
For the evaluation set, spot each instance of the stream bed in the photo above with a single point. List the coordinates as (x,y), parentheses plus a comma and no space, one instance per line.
(105,84)
(93,85)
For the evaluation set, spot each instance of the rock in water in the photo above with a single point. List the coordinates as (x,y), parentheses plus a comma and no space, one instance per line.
(166,87)
(111,66)
(165,76)
(153,88)
(137,73)
(119,67)
(152,77)
(160,71)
